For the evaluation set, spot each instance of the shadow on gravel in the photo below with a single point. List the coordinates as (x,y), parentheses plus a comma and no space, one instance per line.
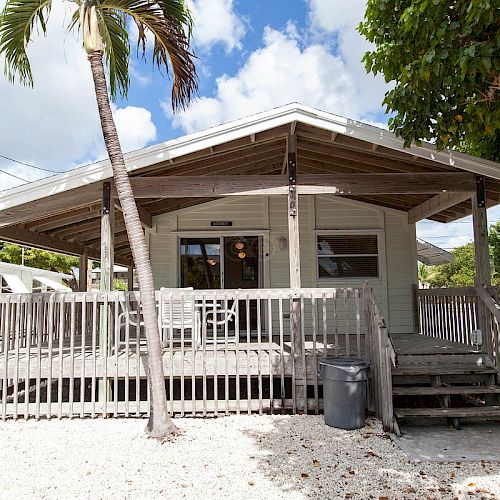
(303,456)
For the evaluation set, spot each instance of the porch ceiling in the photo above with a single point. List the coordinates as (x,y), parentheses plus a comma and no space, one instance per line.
(70,220)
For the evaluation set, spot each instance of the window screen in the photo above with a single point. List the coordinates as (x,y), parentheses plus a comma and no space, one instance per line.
(347,256)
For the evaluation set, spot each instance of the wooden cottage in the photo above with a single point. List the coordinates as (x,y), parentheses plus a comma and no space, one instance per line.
(275,240)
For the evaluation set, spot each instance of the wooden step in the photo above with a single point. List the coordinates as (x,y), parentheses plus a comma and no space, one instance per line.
(453,389)
(475,411)
(442,370)
(438,359)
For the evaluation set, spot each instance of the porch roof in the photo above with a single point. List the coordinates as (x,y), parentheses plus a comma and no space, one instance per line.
(63,212)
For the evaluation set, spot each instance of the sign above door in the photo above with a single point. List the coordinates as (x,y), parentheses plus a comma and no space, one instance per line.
(221,223)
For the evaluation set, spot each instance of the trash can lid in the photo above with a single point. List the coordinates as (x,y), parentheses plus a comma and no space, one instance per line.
(344,362)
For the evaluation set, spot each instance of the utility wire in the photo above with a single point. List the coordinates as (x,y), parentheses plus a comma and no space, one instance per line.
(31,166)
(13,175)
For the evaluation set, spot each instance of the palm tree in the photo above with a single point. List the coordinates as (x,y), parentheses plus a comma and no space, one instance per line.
(424,275)
(103,24)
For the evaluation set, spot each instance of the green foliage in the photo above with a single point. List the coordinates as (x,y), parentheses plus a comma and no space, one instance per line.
(494,240)
(443,58)
(119,285)
(460,272)
(41,259)
(424,274)
(168,22)
(17,22)
(486,147)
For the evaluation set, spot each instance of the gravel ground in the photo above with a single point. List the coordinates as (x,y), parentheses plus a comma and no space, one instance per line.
(292,457)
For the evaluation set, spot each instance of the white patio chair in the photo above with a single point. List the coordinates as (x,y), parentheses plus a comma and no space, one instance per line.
(178,313)
(129,316)
(221,317)
(132,316)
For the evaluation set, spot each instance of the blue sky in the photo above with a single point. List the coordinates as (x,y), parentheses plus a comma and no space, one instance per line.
(253,55)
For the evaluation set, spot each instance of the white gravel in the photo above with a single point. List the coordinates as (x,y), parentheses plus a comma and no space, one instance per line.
(269,457)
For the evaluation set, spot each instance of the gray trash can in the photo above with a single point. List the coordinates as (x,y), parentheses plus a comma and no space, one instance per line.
(344,391)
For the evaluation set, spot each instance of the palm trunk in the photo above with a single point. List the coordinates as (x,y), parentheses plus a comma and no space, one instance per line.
(159,423)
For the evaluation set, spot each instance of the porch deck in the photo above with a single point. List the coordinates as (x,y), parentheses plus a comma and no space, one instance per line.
(412,344)
(75,359)
(242,376)
(70,354)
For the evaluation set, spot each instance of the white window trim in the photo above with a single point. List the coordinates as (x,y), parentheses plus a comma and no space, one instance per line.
(380,233)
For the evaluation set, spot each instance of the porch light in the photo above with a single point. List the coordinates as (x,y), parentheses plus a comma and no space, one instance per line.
(282,243)
(242,255)
(211,262)
(239,245)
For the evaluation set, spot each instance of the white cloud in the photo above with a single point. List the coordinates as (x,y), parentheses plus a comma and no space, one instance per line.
(56,124)
(453,234)
(446,236)
(335,15)
(215,22)
(135,127)
(284,71)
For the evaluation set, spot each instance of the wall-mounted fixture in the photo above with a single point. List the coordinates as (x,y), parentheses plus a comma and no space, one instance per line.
(282,243)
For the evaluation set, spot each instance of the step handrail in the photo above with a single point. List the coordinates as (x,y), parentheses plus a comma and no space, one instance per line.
(382,355)
(491,325)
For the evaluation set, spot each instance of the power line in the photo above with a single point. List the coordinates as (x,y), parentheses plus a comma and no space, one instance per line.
(441,237)
(456,222)
(13,175)
(31,166)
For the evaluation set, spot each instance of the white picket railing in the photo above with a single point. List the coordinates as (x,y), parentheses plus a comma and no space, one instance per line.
(447,313)
(83,354)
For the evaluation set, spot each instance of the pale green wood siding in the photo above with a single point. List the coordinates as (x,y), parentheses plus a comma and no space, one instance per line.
(317,213)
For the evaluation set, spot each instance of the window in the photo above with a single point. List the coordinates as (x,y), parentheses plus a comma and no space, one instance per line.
(200,263)
(347,256)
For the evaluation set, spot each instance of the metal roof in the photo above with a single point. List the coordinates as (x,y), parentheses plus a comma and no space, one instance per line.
(431,255)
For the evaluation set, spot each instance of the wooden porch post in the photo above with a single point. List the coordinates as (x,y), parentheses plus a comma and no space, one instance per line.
(106,283)
(83,271)
(107,239)
(294,257)
(482,256)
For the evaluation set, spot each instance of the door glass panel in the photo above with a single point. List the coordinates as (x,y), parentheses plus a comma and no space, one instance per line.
(200,263)
(241,262)
(241,270)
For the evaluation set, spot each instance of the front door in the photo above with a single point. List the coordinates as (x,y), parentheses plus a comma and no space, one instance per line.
(230,262)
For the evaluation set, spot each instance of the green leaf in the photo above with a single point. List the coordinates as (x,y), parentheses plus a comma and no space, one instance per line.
(17,21)
(169,24)
(439,60)
(429,56)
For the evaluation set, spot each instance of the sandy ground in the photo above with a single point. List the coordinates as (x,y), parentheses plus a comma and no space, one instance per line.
(269,457)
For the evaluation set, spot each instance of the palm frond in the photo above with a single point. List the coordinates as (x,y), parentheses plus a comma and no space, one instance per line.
(170,23)
(113,28)
(17,21)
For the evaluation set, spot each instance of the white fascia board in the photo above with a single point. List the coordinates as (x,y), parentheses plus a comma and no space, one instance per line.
(385,138)
(237,129)
(141,158)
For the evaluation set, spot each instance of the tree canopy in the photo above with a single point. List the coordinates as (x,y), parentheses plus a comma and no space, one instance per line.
(458,273)
(41,259)
(461,271)
(167,23)
(443,58)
